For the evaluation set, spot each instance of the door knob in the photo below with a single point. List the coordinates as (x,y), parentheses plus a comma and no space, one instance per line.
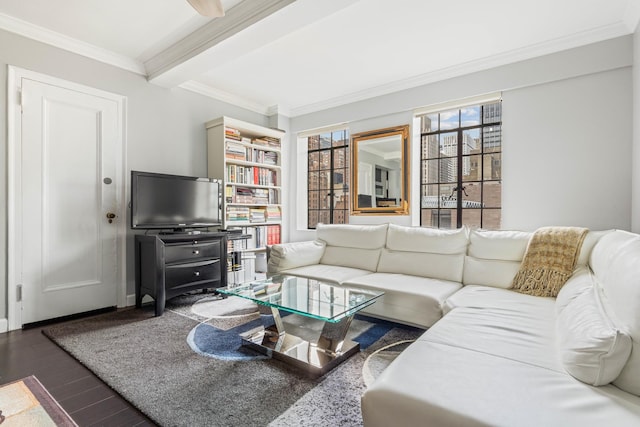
(110,217)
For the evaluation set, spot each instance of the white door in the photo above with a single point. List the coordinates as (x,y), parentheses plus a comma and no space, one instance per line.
(68,172)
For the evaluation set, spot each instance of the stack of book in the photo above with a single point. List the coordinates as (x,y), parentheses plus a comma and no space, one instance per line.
(273,213)
(266,157)
(274,198)
(273,234)
(257,215)
(260,196)
(235,151)
(237,213)
(232,133)
(267,141)
(243,195)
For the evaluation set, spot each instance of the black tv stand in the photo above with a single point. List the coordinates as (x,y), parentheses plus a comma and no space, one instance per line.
(171,264)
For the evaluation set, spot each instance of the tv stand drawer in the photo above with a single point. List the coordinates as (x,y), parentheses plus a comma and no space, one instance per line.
(193,250)
(192,273)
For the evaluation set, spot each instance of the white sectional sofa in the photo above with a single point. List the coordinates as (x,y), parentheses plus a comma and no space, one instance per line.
(490,356)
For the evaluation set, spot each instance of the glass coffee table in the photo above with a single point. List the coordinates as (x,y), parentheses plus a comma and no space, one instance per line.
(334,305)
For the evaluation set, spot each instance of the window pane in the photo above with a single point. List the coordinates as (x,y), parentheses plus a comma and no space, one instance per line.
(314,181)
(430,172)
(324,180)
(448,169)
(325,160)
(313,142)
(430,196)
(450,120)
(314,200)
(471,141)
(429,218)
(449,144)
(492,166)
(339,138)
(472,217)
(492,113)
(492,196)
(314,161)
(313,219)
(325,140)
(472,195)
(325,200)
(339,158)
(491,219)
(492,138)
(430,148)
(429,123)
(470,116)
(448,196)
(324,217)
(471,168)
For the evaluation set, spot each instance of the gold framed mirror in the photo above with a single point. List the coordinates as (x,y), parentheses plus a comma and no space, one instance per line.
(380,172)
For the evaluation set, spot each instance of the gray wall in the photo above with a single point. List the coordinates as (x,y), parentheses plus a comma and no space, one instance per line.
(165,128)
(567,135)
(635,222)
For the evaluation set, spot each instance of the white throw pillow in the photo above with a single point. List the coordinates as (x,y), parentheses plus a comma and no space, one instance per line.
(592,349)
(296,254)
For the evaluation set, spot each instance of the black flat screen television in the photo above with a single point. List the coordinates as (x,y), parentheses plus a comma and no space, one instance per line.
(174,202)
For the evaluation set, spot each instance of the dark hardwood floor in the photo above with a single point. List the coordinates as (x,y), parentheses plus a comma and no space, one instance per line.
(88,400)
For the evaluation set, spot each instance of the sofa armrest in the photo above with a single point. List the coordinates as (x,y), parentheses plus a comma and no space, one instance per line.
(284,256)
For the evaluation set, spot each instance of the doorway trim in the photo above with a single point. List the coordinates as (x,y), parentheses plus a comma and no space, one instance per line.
(14,194)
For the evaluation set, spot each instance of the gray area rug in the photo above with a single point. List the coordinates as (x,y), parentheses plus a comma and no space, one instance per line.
(147,360)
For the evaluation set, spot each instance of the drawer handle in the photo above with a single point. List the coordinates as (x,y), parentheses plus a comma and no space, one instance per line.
(196,252)
(196,273)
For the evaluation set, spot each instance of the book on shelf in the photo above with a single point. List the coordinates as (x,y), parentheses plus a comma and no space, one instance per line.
(257,215)
(273,213)
(232,133)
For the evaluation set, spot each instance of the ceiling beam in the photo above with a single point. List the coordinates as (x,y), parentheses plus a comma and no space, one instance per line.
(165,68)
(246,27)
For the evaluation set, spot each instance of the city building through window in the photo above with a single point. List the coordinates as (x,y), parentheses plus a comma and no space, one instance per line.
(460,167)
(328,178)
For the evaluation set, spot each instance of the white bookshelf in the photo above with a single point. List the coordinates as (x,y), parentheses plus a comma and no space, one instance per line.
(251,171)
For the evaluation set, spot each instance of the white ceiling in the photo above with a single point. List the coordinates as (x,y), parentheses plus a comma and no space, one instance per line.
(306,55)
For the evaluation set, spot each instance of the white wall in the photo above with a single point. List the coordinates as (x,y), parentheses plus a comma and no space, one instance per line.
(165,128)
(576,104)
(566,153)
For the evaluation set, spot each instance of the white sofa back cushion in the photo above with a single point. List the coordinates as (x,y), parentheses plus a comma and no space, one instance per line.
(494,257)
(425,252)
(615,264)
(353,236)
(427,240)
(365,259)
(592,349)
(434,266)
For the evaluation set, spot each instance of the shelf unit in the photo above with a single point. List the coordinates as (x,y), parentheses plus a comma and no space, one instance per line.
(248,159)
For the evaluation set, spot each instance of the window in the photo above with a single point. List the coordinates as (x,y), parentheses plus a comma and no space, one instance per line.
(460,167)
(328,178)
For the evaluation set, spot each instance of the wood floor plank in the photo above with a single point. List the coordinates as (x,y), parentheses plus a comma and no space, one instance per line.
(88,400)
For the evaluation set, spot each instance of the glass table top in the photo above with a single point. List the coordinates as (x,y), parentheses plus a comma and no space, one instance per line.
(307,297)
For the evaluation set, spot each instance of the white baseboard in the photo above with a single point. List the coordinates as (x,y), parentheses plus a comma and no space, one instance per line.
(4,325)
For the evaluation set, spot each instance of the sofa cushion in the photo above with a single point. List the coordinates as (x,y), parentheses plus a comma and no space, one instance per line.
(581,281)
(432,384)
(489,272)
(408,299)
(614,261)
(326,273)
(430,240)
(436,266)
(363,259)
(502,245)
(488,297)
(494,257)
(296,254)
(592,349)
(352,236)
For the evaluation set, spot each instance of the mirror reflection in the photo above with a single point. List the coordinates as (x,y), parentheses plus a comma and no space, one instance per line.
(381,171)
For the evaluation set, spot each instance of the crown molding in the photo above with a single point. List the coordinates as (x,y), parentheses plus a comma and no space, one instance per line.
(35,32)
(238,18)
(540,49)
(224,96)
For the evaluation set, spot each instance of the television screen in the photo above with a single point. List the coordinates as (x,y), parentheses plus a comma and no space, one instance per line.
(174,202)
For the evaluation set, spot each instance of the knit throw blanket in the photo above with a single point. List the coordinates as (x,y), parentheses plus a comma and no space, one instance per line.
(549,260)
